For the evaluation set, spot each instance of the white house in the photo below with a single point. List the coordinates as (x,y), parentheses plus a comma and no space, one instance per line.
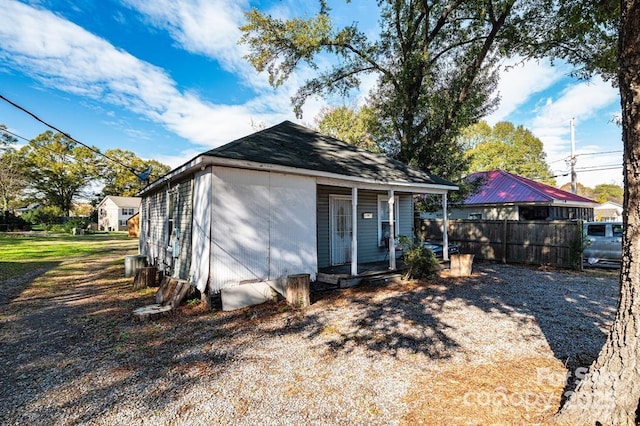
(285,200)
(113,212)
(608,212)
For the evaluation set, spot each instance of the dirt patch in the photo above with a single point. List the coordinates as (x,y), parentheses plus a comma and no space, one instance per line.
(524,391)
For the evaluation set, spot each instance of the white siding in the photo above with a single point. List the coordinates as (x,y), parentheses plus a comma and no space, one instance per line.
(240,227)
(201,229)
(263,226)
(293,226)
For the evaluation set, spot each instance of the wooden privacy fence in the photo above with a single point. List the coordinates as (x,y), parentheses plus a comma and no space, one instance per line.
(554,243)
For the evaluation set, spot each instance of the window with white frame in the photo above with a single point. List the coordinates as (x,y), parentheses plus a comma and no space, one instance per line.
(383,219)
(123,222)
(128,211)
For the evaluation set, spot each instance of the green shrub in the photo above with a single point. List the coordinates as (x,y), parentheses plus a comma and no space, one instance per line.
(11,222)
(46,216)
(421,261)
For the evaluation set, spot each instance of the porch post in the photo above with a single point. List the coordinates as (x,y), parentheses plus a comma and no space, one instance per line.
(392,240)
(445,226)
(354,231)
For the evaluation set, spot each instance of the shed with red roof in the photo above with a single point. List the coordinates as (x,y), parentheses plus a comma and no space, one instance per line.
(504,195)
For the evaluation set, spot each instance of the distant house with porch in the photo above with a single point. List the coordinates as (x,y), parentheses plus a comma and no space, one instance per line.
(113,212)
(504,195)
(285,200)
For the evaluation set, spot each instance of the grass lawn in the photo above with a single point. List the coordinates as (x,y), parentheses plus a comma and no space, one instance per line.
(20,254)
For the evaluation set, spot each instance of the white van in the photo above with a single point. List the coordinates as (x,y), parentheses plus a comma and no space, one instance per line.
(603,243)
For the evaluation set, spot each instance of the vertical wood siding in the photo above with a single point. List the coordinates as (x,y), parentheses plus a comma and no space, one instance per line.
(153,238)
(240,227)
(201,229)
(292,230)
(263,226)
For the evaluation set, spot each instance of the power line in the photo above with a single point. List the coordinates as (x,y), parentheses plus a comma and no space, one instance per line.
(600,153)
(598,168)
(140,175)
(15,134)
(41,145)
(589,169)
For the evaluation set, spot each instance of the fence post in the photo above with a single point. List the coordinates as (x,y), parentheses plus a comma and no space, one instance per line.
(505,235)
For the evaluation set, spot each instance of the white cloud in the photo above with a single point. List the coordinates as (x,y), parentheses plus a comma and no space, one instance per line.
(64,56)
(519,80)
(581,101)
(206,27)
(598,157)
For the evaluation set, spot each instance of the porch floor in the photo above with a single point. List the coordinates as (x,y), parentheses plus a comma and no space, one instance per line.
(339,276)
(364,269)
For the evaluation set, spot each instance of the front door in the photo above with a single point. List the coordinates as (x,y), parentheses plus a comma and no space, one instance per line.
(340,229)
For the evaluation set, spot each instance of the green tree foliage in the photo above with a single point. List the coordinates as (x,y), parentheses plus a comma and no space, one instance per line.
(434,61)
(121,177)
(600,193)
(608,192)
(6,139)
(12,179)
(581,190)
(57,169)
(355,126)
(507,147)
(582,33)
(604,37)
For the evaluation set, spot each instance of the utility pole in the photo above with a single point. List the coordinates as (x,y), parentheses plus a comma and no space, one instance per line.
(574,179)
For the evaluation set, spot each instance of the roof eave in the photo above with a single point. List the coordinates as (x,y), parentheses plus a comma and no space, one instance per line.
(202,161)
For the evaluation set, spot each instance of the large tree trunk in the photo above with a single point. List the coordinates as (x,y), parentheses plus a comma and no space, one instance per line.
(610,392)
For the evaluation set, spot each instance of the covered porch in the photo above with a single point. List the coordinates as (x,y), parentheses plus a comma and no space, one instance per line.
(358,226)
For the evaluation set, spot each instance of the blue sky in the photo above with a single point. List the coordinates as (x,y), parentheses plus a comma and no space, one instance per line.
(167,80)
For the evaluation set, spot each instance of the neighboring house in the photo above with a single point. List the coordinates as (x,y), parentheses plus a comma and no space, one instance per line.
(609,212)
(113,212)
(27,209)
(507,196)
(285,200)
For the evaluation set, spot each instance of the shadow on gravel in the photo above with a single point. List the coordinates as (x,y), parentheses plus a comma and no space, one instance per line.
(73,354)
(16,276)
(389,324)
(573,310)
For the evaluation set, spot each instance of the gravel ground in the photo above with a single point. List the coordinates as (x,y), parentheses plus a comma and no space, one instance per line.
(72,354)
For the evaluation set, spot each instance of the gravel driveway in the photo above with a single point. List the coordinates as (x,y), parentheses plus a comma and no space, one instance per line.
(72,354)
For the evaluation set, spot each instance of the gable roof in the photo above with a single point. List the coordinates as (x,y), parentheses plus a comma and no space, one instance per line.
(122,201)
(501,187)
(289,144)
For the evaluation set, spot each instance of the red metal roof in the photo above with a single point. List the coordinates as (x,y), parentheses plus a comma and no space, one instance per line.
(503,187)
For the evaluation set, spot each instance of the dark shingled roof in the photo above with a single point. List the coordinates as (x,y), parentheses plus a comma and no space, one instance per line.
(289,144)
